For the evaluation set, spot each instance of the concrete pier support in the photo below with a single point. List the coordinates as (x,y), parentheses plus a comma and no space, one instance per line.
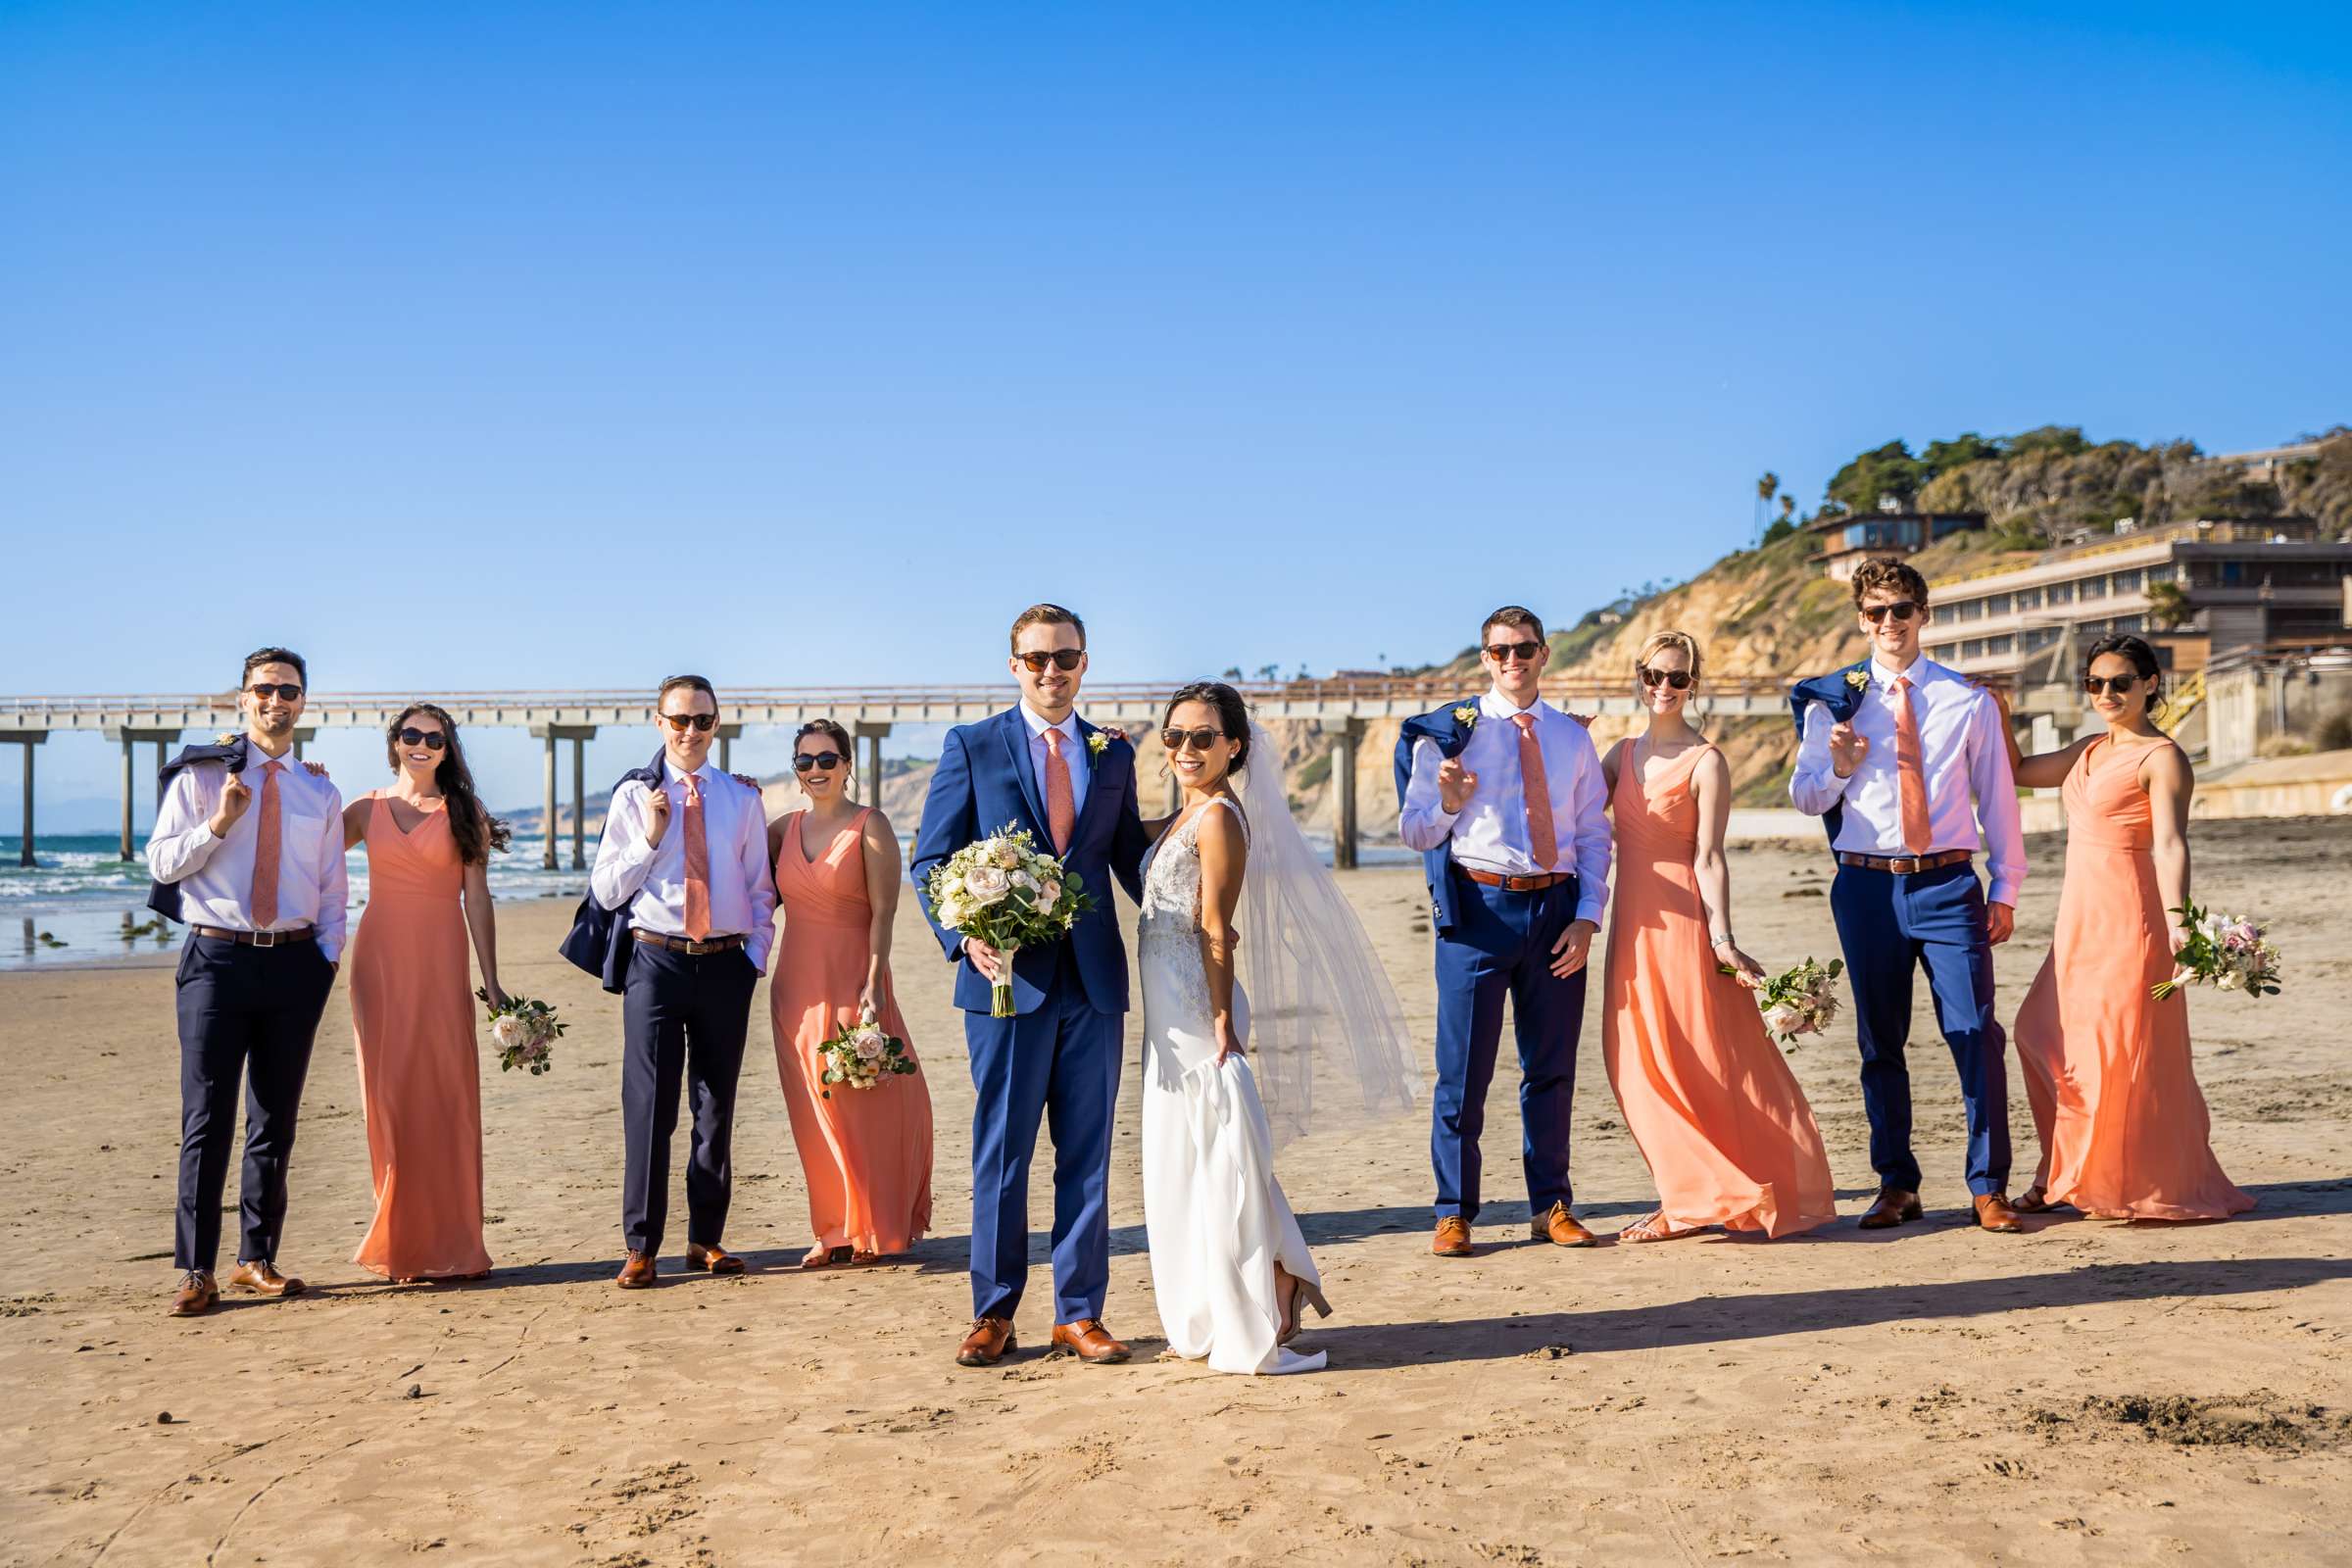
(1174,800)
(727,735)
(302,738)
(129,739)
(28,739)
(868,740)
(1345,735)
(579,735)
(129,746)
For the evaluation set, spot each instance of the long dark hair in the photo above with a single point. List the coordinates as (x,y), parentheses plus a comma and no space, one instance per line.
(1232,715)
(2139,654)
(476,831)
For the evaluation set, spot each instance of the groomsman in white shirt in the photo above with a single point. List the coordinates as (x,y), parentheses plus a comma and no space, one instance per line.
(248,848)
(1908,761)
(685,853)
(1503,797)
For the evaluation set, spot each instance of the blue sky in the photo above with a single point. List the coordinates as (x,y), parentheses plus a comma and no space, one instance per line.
(527,346)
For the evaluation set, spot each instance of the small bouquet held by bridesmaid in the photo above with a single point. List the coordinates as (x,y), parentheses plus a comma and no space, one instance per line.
(2225,952)
(1007,892)
(1800,1002)
(524,1032)
(861,1055)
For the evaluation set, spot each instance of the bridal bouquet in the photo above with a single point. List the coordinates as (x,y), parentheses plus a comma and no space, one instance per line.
(524,1032)
(1003,889)
(1799,1001)
(2225,952)
(861,1055)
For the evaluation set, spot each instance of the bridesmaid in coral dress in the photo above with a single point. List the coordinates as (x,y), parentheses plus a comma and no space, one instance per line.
(429,856)
(1709,1098)
(865,1152)
(2108,1072)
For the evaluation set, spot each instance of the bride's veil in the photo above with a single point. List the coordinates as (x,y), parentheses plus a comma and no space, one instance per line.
(1327,1038)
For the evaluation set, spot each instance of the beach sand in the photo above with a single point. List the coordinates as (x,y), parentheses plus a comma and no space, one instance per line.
(2089,1393)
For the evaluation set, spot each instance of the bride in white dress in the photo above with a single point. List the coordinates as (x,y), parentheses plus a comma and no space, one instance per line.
(1230,1269)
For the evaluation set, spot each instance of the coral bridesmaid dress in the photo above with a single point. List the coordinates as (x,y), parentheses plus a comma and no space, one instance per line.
(2123,1124)
(1709,1098)
(411,1011)
(866,1153)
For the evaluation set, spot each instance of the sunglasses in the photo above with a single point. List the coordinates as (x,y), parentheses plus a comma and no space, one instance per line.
(1679,679)
(681,722)
(1063,658)
(828,761)
(2102,686)
(1900,610)
(431,740)
(1201,739)
(284,694)
(1505,653)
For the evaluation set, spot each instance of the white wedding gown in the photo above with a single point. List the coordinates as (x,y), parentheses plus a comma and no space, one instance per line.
(1215,1216)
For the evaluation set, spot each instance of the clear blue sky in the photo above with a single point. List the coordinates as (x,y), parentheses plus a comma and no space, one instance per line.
(522,346)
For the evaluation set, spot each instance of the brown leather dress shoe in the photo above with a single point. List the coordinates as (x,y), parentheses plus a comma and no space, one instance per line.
(1560,1228)
(988,1343)
(1090,1341)
(1452,1239)
(1993,1213)
(1894,1206)
(196,1293)
(262,1278)
(713,1259)
(637,1274)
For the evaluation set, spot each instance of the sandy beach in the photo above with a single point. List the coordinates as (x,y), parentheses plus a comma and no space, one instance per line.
(2091,1392)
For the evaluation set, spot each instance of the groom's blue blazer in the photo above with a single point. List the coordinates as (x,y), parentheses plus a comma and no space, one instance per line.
(984,782)
(1841,696)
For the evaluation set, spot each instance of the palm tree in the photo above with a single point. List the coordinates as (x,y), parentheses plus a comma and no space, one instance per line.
(1767,486)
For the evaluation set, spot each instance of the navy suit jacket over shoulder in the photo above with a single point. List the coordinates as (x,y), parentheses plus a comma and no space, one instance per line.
(1841,696)
(599,941)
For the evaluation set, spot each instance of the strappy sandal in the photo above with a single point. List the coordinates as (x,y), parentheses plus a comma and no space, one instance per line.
(819,1257)
(1655,1228)
(862,1259)
(2031,1202)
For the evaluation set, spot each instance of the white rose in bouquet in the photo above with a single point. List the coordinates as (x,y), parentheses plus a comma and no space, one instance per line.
(985,885)
(1783,1020)
(1048,893)
(510,1032)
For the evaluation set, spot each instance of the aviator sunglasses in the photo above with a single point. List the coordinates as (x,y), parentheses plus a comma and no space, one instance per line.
(828,761)
(1679,679)
(284,694)
(2102,686)
(1900,610)
(681,721)
(1506,652)
(430,740)
(1064,658)
(1201,739)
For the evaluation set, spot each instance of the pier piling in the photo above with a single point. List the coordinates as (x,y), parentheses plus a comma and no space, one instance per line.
(1345,733)
(28,739)
(579,735)
(868,762)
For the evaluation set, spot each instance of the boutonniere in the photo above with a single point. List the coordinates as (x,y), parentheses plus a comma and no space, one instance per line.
(1857,678)
(1099,742)
(1466,716)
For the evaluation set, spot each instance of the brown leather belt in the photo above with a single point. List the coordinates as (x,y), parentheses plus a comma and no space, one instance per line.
(255,939)
(1905,865)
(687,944)
(1517,884)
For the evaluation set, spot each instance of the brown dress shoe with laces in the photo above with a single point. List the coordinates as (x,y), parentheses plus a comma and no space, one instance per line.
(637,1274)
(1090,1341)
(1452,1239)
(196,1293)
(1894,1206)
(1993,1213)
(261,1278)
(988,1344)
(1560,1228)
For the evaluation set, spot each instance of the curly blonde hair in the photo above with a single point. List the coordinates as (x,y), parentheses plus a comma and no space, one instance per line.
(1669,639)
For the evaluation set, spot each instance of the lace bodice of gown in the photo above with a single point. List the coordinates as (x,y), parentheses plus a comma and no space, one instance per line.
(1169,916)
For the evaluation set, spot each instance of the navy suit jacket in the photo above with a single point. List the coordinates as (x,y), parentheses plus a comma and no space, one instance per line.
(163,897)
(984,782)
(1841,696)
(599,941)
(1452,735)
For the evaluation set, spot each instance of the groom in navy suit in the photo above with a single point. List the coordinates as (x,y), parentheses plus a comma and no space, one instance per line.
(1038,765)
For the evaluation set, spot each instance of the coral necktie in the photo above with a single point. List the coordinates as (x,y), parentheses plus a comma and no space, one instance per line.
(268,840)
(1537,789)
(1061,806)
(698,863)
(1911,782)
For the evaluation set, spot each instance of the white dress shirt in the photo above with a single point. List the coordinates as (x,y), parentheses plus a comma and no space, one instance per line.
(651,881)
(1073,752)
(1963,759)
(216,875)
(1489,832)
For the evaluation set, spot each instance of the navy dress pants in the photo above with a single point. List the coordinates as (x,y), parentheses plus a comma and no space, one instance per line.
(684,1016)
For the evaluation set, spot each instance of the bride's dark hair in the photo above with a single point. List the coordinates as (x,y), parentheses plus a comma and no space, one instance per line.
(1232,715)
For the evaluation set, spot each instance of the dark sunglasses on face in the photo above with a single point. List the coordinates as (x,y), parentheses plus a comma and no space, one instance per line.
(1900,610)
(828,761)
(432,740)
(1201,739)
(2100,686)
(1679,679)
(284,694)
(1505,653)
(1064,658)
(681,721)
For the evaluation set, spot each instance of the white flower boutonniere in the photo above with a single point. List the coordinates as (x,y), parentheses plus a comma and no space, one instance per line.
(1857,678)
(1098,742)
(1467,714)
